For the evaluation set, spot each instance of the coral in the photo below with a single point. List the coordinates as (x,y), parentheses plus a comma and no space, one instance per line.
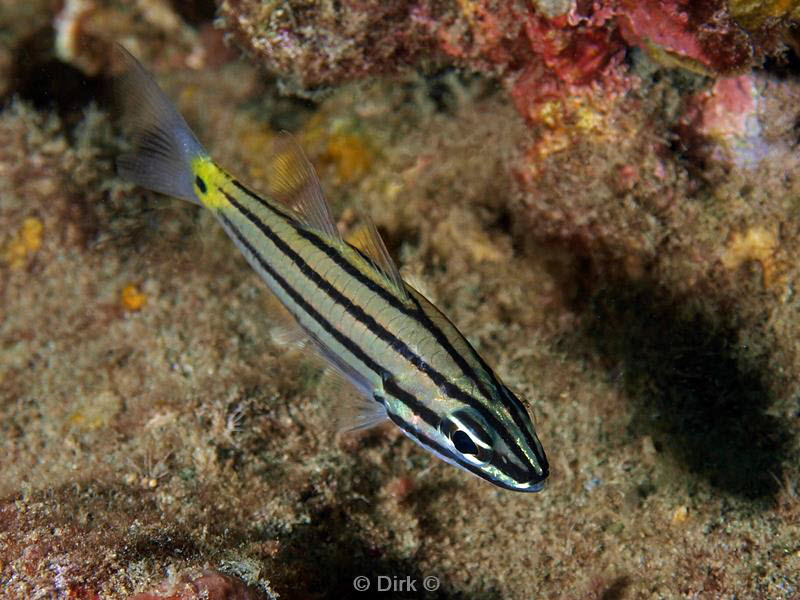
(541,50)
(728,123)
(753,14)
(576,54)
(320,43)
(715,37)
(539,57)
(729,108)
(572,80)
(695,35)
(563,73)
(314,45)
(726,118)
(759,244)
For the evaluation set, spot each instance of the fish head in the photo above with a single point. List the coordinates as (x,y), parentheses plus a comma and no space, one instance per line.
(492,438)
(499,445)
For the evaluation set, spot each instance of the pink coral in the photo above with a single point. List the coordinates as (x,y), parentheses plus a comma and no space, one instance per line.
(697,35)
(728,106)
(539,58)
(575,54)
(518,39)
(548,43)
(722,123)
(565,58)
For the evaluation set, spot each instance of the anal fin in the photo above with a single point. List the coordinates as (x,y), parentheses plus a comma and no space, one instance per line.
(353,411)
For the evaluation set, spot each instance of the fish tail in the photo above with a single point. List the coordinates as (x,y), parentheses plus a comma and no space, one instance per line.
(164,145)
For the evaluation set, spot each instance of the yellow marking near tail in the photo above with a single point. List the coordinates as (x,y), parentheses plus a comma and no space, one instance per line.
(209,175)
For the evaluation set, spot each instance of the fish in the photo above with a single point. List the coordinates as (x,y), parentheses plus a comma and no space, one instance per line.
(407,361)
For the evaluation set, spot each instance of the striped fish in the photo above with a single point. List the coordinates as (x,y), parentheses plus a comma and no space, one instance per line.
(408,362)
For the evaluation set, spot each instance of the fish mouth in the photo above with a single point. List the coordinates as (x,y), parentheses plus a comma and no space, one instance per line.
(538,479)
(532,486)
(535,483)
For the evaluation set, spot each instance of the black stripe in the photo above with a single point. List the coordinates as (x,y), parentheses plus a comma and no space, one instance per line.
(520,415)
(368,321)
(348,344)
(242,188)
(419,314)
(416,313)
(390,386)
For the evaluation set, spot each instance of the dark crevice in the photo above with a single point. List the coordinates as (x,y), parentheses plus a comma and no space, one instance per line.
(290,113)
(38,77)
(195,12)
(785,65)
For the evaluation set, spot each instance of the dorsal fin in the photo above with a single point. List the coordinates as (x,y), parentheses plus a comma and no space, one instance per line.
(293,181)
(416,283)
(367,239)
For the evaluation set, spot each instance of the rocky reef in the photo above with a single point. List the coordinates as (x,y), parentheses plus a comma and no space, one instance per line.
(602,195)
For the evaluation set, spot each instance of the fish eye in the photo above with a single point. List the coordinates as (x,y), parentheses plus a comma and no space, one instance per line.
(463,443)
(468,435)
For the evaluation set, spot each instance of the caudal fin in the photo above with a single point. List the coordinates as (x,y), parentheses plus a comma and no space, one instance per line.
(164,146)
